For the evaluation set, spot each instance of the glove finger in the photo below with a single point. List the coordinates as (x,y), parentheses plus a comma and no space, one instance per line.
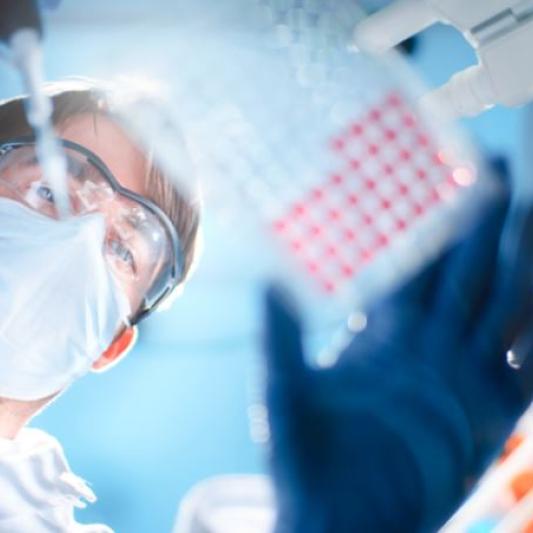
(414,293)
(469,275)
(286,386)
(509,305)
(420,288)
(283,339)
(405,309)
(523,375)
(513,373)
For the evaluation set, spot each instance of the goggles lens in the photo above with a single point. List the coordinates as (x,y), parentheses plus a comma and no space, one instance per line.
(139,245)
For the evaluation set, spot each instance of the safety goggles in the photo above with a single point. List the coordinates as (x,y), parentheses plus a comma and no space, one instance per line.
(141,244)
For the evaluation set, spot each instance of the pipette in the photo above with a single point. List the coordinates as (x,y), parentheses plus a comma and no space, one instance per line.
(21,30)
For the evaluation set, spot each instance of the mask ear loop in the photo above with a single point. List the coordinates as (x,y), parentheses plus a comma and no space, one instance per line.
(119,348)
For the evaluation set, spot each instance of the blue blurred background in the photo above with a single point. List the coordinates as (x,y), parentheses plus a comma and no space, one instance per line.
(176,410)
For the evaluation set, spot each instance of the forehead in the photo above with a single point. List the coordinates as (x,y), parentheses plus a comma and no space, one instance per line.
(110,143)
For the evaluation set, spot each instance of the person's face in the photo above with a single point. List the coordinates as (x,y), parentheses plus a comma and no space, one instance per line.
(125,161)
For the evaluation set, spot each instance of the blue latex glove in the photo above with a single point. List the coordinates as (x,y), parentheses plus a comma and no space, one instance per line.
(392,436)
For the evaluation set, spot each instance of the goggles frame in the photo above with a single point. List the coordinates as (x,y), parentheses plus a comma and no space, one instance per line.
(176,266)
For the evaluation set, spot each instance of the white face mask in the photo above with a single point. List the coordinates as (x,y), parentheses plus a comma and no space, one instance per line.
(60,307)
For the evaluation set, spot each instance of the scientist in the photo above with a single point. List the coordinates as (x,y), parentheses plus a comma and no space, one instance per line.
(390,438)
(74,289)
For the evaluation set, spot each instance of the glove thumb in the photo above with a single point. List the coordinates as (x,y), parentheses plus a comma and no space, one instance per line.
(283,339)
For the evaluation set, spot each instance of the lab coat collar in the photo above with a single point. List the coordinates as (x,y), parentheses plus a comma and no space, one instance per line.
(38,490)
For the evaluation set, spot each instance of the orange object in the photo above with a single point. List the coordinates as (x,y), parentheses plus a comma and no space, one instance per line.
(511,445)
(522,484)
(528,528)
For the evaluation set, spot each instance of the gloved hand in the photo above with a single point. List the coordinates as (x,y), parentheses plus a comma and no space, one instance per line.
(392,436)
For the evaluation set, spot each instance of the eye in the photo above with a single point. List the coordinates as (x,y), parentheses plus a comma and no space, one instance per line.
(121,255)
(45,193)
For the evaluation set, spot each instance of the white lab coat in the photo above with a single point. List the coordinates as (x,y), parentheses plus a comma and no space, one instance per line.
(38,491)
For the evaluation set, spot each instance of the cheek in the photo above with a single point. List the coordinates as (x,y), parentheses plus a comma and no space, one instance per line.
(7,189)
(6,192)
